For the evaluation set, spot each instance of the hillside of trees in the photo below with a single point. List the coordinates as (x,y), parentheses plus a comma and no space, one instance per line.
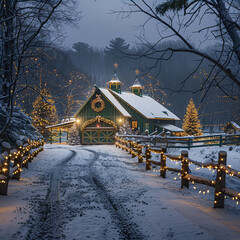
(70,75)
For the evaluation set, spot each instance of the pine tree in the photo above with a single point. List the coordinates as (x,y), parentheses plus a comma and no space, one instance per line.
(191,123)
(44,112)
(74,137)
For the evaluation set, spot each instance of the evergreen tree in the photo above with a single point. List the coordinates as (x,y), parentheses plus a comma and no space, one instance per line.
(116,52)
(117,46)
(20,127)
(74,137)
(44,112)
(191,123)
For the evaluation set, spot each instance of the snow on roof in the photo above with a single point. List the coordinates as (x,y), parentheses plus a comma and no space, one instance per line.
(114,101)
(146,105)
(235,125)
(170,127)
(61,124)
(114,81)
(136,84)
(114,78)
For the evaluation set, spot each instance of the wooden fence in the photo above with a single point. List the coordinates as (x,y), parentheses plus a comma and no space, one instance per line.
(136,149)
(186,142)
(13,160)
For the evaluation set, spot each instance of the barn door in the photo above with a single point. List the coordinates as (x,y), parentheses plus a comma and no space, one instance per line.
(98,135)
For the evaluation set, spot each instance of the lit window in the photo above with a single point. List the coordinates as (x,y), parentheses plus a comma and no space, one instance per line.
(134,124)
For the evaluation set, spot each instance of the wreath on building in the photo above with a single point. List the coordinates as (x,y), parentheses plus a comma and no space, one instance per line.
(98,104)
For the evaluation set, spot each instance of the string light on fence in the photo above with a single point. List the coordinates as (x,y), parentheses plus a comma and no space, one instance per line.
(211,167)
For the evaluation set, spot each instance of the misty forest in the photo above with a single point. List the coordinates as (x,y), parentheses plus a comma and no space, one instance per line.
(181,59)
(69,76)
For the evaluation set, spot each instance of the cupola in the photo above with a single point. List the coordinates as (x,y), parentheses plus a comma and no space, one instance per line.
(137,87)
(115,83)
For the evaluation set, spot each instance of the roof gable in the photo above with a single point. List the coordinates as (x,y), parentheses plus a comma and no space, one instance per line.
(231,124)
(146,106)
(170,127)
(236,126)
(80,109)
(112,100)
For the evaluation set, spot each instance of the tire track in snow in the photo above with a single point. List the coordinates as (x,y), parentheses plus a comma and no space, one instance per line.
(48,223)
(129,230)
(53,197)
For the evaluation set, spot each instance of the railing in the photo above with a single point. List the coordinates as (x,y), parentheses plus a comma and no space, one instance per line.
(136,149)
(186,142)
(13,160)
(58,137)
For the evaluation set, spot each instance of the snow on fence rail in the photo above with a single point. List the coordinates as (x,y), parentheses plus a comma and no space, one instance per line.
(13,160)
(136,149)
(186,142)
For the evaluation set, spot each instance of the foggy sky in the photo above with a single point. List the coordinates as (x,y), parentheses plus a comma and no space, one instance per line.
(98,26)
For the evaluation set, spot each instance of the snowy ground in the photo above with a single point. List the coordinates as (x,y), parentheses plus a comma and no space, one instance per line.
(99,192)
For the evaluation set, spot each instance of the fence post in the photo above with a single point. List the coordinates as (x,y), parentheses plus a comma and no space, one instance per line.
(4,184)
(163,163)
(127,144)
(122,141)
(220,141)
(189,143)
(18,164)
(130,146)
(185,169)
(119,142)
(51,137)
(148,156)
(60,136)
(133,146)
(154,141)
(139,151)
(220,181)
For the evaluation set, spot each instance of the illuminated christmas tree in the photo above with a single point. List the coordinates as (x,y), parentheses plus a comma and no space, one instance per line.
(191,123)
(44,112)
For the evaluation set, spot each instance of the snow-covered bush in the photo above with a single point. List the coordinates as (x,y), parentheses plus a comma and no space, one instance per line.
(20,127)
(125,129)
(74,137)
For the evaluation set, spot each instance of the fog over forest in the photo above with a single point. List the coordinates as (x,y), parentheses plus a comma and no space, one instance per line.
(72,73)
(80,41)
(103,38)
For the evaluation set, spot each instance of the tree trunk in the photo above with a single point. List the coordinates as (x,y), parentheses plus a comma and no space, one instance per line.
(231,29)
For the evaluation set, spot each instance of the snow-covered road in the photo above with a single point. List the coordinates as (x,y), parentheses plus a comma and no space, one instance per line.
(99,192)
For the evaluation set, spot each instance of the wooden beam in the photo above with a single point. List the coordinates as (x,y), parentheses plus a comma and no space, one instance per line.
(201,180)
(232,193)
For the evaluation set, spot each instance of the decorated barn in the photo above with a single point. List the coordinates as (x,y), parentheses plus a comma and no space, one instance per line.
(231,128)
(107,109)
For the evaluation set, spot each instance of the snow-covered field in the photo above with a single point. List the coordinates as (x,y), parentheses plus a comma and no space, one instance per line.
(100,192)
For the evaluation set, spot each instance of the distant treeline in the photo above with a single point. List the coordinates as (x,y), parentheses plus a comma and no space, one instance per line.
(70,74)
